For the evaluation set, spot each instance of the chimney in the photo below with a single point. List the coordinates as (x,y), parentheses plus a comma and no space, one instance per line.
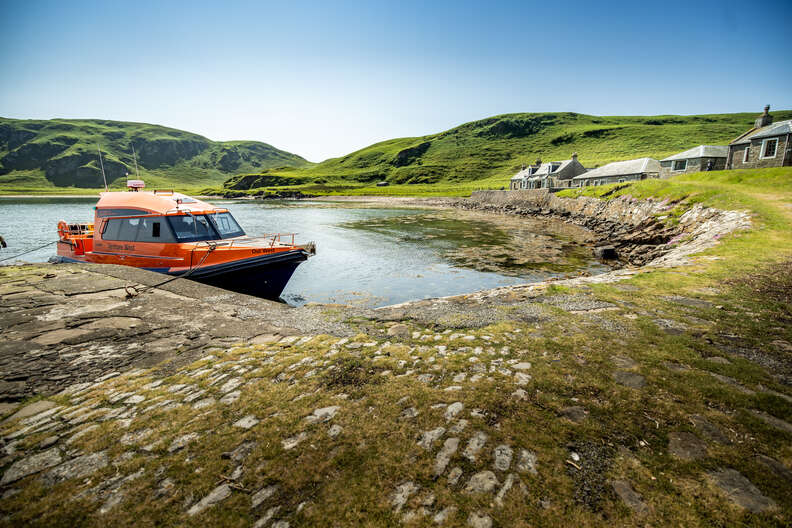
(764,119)
(523,166)
(574,156)
(538,161)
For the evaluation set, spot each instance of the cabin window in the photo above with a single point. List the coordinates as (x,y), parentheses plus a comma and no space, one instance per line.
(680,165)
(226,225)
(154,229)
(104,212)
(192,228)
(769,147)
(121,229)
(745,153)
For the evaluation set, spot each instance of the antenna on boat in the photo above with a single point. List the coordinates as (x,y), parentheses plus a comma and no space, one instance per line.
(101,164)
(134,157)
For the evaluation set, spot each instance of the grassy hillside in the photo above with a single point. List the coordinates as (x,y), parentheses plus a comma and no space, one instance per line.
(486,153)
(60,154)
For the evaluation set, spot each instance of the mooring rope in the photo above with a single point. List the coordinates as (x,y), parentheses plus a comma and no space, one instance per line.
(184,275)
(31,251)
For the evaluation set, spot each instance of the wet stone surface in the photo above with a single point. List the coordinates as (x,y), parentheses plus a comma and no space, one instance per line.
(74,323)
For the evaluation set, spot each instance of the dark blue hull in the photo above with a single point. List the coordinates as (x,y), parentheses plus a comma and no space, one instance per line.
(263,276)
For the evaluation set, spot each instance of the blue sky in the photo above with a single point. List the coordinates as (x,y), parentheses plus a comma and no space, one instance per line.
(322,79)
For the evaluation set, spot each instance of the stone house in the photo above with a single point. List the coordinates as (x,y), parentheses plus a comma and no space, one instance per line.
(619,171)
(767,144)
(552,175)
(695,160)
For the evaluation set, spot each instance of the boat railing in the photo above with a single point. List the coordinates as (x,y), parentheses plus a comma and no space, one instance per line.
(76,229)
(271,239)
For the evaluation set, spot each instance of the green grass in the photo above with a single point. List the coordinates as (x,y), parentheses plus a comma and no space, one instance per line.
(485,154)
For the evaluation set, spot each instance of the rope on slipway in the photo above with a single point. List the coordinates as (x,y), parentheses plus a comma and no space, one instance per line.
(30,251)
(134,291)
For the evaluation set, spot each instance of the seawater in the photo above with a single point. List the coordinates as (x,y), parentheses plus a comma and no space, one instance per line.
(371,256)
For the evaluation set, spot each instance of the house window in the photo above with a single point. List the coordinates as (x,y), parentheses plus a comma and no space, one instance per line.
(769,147)
(679,165)
(745,153)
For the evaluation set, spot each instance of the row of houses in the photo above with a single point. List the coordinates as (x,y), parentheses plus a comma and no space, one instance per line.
(765,145)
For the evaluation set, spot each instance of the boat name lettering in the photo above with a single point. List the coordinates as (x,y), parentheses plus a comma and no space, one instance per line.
(259,251)
(125,247)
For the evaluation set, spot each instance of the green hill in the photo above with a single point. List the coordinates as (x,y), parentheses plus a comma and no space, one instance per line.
(488,152)
(62,153)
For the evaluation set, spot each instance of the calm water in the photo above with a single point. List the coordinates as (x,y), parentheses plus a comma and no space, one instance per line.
(367,256)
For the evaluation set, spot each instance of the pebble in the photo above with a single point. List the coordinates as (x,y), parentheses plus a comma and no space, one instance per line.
(247,422)
(482,482)
(503,457)
(474,446)
(293,441)
(262,495)
(267,517)
(334,431)
(409,412)
(522,366)
(458,427)
(428,438)
(507,485)
(181,442)
(527,462)
(206,402)
(444,514)
(230,385)
(230,398)
(453,476)
(444,455)
(479,520)
(325,414)
(522,378)
(218,494)
(401,494)
(453,409)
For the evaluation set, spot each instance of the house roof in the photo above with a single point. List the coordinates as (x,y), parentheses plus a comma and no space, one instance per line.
(543,170)
(775,129)
(622,168)
(702,151)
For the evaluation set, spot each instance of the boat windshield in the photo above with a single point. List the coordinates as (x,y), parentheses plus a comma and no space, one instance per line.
(196,228)
(225,225)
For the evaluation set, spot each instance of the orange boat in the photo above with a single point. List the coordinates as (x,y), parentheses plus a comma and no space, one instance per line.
(174,234)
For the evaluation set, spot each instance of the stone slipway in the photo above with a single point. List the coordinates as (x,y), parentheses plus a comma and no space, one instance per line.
(64,324)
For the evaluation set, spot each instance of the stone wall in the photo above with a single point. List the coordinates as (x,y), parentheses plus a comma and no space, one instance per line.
(693,165)
(737,153)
